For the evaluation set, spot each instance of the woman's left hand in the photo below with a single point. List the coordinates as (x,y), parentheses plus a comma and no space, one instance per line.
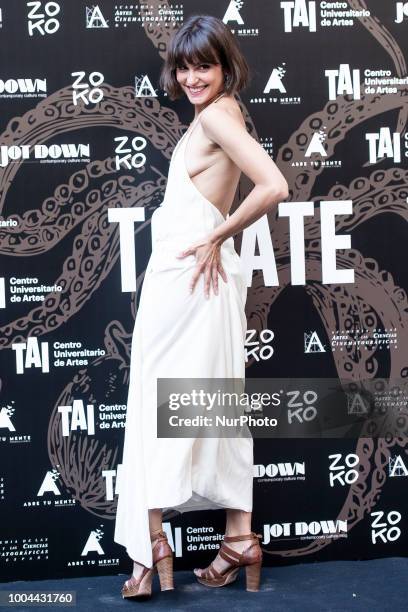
(208,255)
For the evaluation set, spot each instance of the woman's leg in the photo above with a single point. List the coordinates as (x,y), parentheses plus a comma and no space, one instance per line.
(238,523)
(155,520)
(155,526)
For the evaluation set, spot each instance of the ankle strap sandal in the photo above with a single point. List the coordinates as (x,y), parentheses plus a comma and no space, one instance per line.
(250,558)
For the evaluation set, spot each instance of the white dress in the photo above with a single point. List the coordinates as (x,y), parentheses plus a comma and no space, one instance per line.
(178,334)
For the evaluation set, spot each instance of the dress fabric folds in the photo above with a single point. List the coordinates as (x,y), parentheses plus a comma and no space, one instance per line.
(181,335)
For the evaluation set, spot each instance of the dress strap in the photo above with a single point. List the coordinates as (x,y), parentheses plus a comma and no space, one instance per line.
(187,133)
(194,123)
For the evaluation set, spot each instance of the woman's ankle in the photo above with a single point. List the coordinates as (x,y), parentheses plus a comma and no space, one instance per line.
(156,532)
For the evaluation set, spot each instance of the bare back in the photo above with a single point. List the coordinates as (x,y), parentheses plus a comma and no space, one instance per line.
(210,169)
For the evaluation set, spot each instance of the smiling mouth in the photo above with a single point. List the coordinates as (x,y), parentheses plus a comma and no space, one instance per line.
(196,90)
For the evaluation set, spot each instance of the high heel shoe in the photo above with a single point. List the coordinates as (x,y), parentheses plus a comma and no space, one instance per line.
(250,558)
(162,564)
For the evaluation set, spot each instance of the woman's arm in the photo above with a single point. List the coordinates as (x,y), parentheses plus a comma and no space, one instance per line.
(225,129)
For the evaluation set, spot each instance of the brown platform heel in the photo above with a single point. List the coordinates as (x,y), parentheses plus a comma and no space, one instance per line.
(141,587)
(250,558)
(163,560)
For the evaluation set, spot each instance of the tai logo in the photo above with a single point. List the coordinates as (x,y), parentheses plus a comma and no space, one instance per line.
(384,144)
(232,13)
(343,81)
(31,354)
(385,531)
(338,472)
(41,17)
(89,91)
(130,157)
(74,418)
(299,13)
(95,18)
(402,11)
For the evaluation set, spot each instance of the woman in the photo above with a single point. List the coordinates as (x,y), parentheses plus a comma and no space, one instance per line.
(198,328)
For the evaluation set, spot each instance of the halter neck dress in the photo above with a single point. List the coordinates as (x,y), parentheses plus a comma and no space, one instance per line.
(181,335)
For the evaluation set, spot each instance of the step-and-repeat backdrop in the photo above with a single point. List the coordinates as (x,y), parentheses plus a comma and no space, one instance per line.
(86,136)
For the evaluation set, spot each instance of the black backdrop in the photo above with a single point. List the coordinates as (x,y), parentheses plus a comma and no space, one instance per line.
(66,322)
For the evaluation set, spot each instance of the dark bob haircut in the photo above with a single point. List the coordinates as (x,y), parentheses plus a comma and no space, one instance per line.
(204,39)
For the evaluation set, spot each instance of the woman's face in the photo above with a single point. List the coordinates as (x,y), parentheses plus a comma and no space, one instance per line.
(200,82)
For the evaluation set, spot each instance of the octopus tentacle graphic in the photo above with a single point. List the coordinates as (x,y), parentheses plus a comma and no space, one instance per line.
(95,252)
(390,45)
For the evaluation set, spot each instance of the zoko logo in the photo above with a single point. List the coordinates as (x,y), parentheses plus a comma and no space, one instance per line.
(384,144)
(232,13)
(258,347)
(32,354)
(87,91)
(95,18)
(343,81)
(340,473)
(402,11)
(74,417)
(41,17)
(130,156)
(49,485)
(312,343)
(300,407)
(384,528)
(299,13)
(275,80)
